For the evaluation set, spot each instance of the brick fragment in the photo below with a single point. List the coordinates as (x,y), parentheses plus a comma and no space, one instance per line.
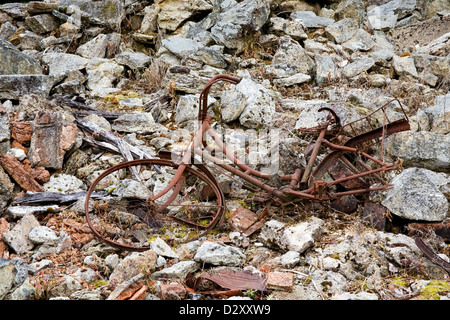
(280,281)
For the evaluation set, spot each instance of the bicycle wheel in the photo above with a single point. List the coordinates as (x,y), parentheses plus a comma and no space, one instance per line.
(134,209)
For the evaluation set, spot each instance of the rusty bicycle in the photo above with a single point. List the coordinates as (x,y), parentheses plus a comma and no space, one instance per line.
(181,187)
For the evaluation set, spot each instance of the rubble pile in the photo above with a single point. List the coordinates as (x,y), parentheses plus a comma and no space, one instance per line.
(136,68)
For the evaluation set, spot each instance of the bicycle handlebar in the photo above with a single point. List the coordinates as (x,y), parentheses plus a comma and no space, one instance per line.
(203,101)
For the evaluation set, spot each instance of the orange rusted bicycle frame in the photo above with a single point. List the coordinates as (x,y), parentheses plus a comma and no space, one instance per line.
(303,184)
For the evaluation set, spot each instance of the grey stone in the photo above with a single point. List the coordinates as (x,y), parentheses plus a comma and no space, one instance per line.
(137,123)
(232,103)
(62,63)
(43,235)
(64,183)
(102,73)
(7,276)
(355,9)
(178,270)
(325,69)
(133,60)
(150,19)
(315,46)
(290,259)
(68,286)
(42,23)
(423,149)
(17,238)
(260,106)
(128,188)
(173,13)
(26,291)
(382,56)
(384,17)
(15,86)
(133,265)
(361,41)
(416,188)
(102,46)
(219,254)
(404,66)
(162,248)
(29,41)
(7,29)
(355,296)
(292,57)
(188,48)
(35,267)
(310,19)
(359,65)
(6,188)
(292,80)
(15,62)
(106,13)
(17,153)
(342,30)
(292,28)
(298,238)
(246,15)
(439,114)
(88,294)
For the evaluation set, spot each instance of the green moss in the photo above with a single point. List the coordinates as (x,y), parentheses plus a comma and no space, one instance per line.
(399,282)
(109,11)
(100,283)
(434,290)
(242,203)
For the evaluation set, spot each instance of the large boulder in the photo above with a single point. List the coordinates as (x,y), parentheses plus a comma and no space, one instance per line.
(16,62)
(422,149)
(248,15)
(416,195)
(174,13)
(106,13)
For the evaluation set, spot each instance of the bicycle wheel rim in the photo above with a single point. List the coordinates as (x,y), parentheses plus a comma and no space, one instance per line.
(202,174)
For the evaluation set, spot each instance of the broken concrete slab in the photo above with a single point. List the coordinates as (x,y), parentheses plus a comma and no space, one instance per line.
(17,238)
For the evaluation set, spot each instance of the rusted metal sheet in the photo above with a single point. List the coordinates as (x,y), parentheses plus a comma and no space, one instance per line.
(231,280)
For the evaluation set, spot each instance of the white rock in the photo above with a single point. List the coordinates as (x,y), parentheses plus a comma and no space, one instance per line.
(162,248)
(178,270)
(219,254)
(417,188)
(260,104)
(294,79)
(310,20)
(43,235)
(64,183)
(102,73)
(17,153)
(342,30)
(404,66)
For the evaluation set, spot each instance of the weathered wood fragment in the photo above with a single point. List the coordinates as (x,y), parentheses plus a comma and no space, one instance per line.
(18,173)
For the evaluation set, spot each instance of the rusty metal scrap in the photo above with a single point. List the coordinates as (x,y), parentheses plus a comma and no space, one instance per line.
(230,279)
(431,255)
